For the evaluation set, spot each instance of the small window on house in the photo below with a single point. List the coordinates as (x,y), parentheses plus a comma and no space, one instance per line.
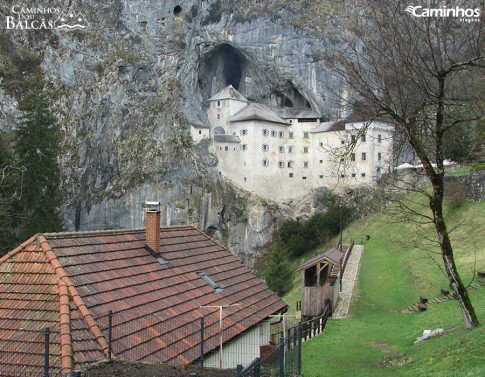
(281,164)
(362,175)
(243,132)
(353,175)
(218,116)
(218,103)
(341,159)
(245,179)
(305,149)
(265,162)
(342,175)
(362,138)
(265,147)
(342,141)
(281,134)
(321,161)
(200,132)
(352,157)
(305,135)
(290,164)
(226,148)
(291,135)
(379,138)
(274,133)
(265,132)
(303,177)
(353,138)
(379,157)
(243,147)
(290,175)
(321,144)
(321,176)
(291,121)
(281,149)
(290,149)
(305,164)
(211,282)
(364,156)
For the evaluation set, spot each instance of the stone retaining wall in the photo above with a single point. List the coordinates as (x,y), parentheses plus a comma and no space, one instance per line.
(470,186)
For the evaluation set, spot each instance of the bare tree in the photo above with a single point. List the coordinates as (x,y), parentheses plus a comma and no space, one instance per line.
(421,70)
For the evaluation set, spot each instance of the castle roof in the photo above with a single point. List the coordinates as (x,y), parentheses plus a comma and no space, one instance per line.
(229,92)
(257,111)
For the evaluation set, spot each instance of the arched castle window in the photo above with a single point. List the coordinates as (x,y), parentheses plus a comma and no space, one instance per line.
(219,131)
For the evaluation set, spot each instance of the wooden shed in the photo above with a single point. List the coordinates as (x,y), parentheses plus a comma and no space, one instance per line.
(321,282)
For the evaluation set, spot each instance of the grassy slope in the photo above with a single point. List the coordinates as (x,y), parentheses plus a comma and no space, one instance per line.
(377,338)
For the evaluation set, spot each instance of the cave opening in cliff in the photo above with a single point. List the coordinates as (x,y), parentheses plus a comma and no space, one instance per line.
(232,60)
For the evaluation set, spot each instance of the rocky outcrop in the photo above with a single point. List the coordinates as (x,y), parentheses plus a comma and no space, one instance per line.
(127,88)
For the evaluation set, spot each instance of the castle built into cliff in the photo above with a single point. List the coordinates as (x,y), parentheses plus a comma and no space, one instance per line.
(285,152)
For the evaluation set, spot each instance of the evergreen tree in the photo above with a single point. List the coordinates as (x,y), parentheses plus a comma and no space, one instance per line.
(10,188)
(37,147)
(279,273)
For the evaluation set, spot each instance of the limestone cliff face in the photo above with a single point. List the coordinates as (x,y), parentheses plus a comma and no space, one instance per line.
(130,84)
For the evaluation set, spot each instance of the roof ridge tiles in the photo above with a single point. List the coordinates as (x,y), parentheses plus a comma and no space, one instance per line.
(82,234)
(21,247)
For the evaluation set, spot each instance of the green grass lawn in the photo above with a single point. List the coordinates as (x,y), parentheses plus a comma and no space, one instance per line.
(377,338)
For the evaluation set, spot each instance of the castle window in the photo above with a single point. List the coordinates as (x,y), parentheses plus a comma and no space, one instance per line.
(265,147)
(362,138)
(281,134)
(352,157)
(362,175)
(243,132)
(379,156)
(379,138)
(306,135)
(290,175)
(243,147)
(291,135)
(265,132)
(290,149)
(281,149)
(265,162)
(303,177)
(321,176)
(321,161)
(364,156)
(218,116)
(342,141)
(200,132)
(218,103)
(353,175)
(281,164)
(290,164)
(226,148)
(274,133)
(291,121)
(305,149)
(305,164)
(353,138)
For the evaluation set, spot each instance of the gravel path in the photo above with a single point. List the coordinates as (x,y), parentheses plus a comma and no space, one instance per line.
(350,275)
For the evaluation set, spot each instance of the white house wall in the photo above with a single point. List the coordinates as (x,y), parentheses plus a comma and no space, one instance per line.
(243,350)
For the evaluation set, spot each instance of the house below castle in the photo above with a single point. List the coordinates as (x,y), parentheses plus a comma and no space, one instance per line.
(287,152)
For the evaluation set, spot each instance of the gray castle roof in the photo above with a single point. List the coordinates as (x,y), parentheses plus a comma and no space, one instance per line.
(257,111)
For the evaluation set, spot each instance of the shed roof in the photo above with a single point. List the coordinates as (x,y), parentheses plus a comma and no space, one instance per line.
(333,255)
(157,307)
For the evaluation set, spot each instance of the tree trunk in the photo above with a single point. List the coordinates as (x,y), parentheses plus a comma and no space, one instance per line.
(454,279)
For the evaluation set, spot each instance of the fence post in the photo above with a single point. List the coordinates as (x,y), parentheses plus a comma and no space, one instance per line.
(201,342)
(257,368)
(282,357)
(110,333)
(298,351)
(239,369)
(46,351)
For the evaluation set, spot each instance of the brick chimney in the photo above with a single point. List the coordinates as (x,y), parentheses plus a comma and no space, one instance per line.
(153,225)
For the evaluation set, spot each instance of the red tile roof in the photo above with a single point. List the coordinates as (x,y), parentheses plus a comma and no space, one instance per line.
(70,281)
